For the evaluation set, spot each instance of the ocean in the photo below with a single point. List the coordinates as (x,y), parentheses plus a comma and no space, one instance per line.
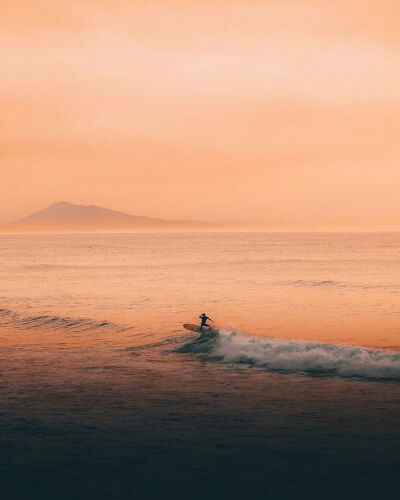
(105,395)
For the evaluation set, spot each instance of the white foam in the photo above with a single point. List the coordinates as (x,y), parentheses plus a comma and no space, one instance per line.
(301,356)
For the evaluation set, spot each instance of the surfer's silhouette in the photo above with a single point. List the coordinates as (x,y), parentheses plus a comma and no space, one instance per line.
(204,319)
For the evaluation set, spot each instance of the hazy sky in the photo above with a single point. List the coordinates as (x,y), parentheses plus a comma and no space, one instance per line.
(280,111)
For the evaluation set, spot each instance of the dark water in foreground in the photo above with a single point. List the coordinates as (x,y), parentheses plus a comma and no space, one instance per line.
(107,421)
(115,403)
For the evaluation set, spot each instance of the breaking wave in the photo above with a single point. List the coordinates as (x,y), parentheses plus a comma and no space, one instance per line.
(296,356)
(48,322)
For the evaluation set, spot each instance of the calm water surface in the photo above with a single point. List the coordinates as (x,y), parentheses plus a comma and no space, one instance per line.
(104,395)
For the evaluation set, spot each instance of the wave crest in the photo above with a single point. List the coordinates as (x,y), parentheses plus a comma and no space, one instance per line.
(48,322)
(297,356)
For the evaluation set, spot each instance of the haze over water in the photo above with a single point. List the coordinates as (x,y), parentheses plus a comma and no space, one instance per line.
(274,115)
(332,287)
(105,394)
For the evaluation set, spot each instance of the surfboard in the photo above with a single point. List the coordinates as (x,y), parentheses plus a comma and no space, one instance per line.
(196,328)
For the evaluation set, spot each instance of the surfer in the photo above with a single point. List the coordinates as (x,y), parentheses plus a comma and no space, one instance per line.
(204,319)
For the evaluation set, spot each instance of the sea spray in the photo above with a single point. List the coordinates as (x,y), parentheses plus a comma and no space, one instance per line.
(296,356)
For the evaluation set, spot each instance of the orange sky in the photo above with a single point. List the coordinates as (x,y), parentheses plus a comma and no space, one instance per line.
(285,112)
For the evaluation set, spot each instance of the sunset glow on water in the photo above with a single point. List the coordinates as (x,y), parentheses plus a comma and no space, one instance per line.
(302,378)
(167,161)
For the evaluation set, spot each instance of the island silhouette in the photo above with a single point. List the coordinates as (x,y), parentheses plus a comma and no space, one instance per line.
(65,216)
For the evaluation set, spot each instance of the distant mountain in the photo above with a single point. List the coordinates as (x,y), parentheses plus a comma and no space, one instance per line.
(64,216)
